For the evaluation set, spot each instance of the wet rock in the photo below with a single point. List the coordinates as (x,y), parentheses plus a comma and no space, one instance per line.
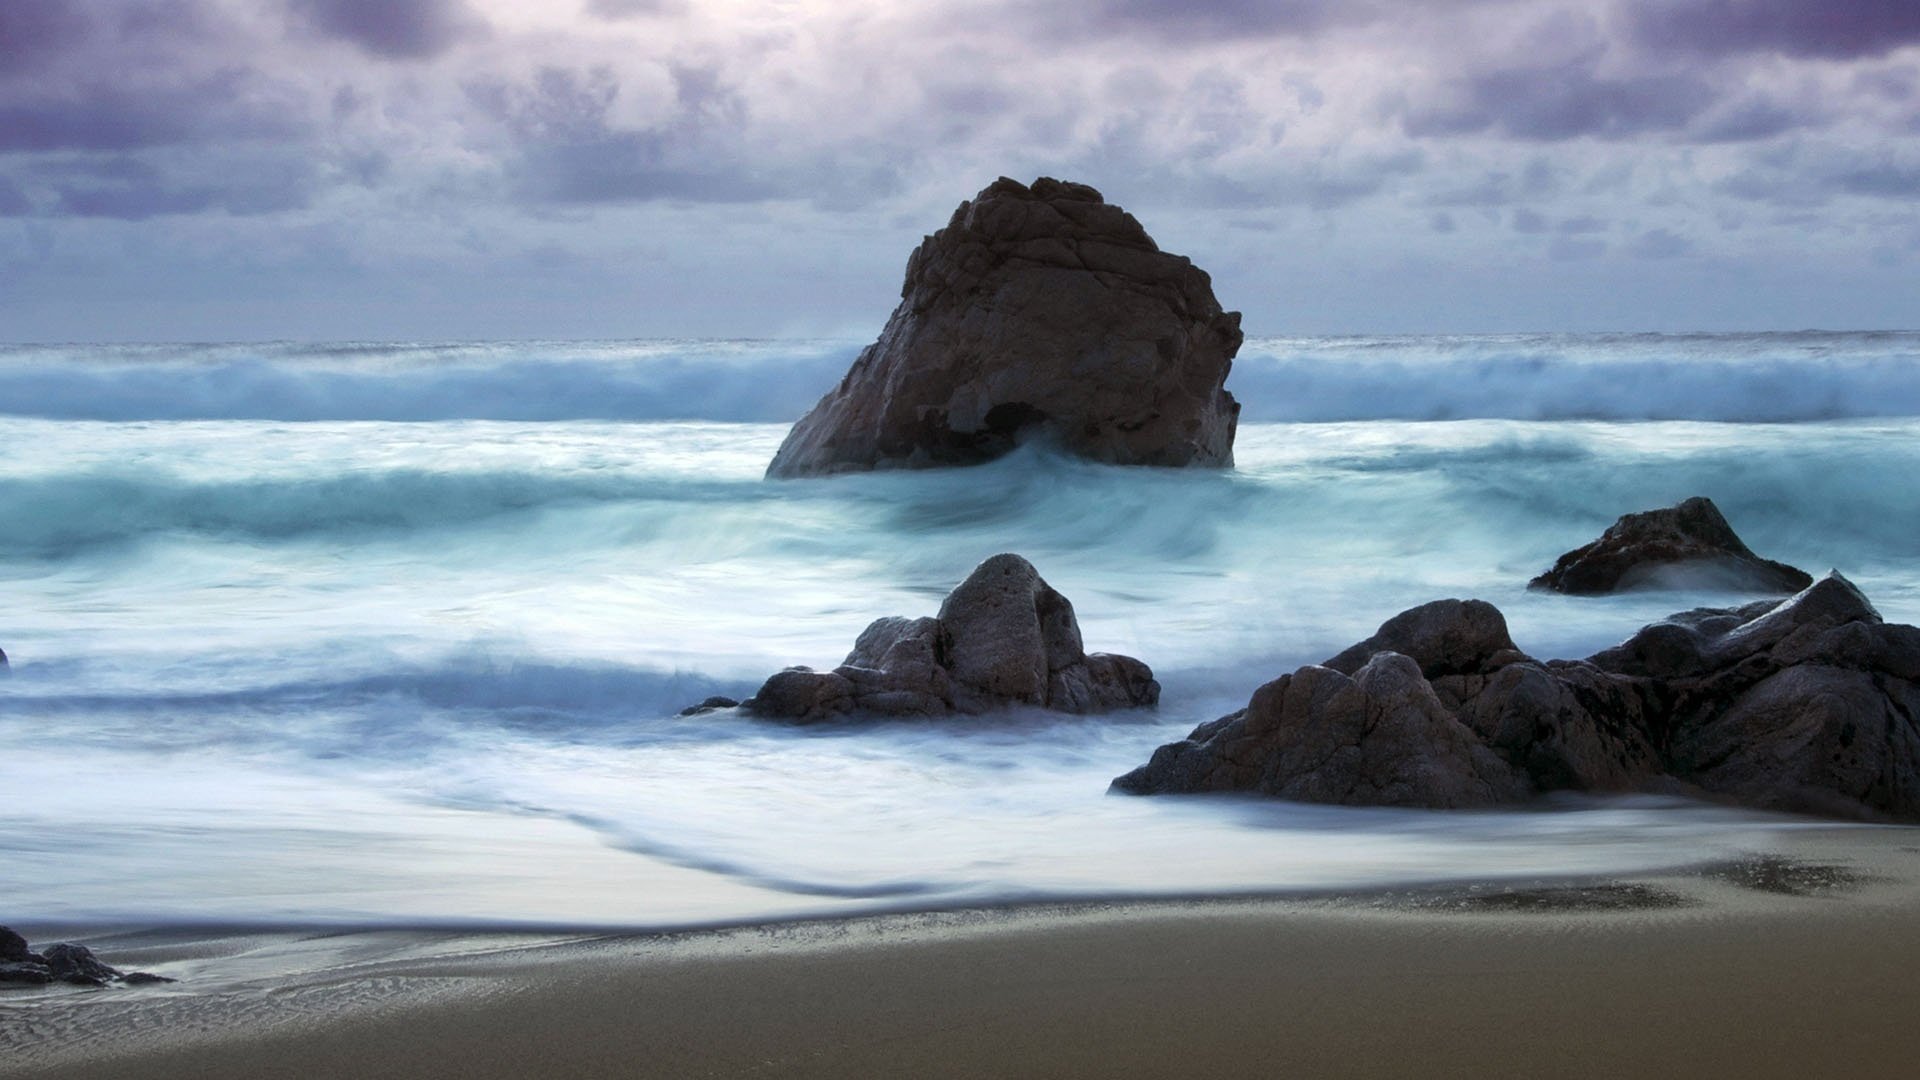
(1003,637)
(1686,545)
(14,948)
(76,964)
(68,963)
(1805,705)
(1445,637)
(1038,312)
(1379,738)
(712,704)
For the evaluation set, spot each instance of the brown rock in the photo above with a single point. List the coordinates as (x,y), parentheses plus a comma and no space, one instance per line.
(1003,637)
(1690,544)
(1039,312)
(1380,738)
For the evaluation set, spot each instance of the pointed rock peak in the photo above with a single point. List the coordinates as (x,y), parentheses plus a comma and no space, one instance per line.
(1689,545)
(1832,597)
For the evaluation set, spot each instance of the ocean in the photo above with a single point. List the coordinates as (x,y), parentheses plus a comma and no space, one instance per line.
(380,634)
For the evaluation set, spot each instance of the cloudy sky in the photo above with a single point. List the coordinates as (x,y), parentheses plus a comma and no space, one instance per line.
(323,169)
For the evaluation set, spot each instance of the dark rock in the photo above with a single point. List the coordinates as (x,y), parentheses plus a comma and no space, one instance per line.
(1378,738)
(1003,637)
(26,974)
(1806,705)
(712,704)
(13,948)
(76,964)
(1445,637)
(66,963)
(3,662)
(1043,312)
(1688,545)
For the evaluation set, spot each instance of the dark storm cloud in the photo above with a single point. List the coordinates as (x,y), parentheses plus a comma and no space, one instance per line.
(33,33)
(114,117)
(392,29)
(1549,104)
(1826,29)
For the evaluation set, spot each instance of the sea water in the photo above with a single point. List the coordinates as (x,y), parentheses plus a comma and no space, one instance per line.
(398,633)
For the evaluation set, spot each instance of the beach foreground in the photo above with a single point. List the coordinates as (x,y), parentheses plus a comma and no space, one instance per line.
(1798,962)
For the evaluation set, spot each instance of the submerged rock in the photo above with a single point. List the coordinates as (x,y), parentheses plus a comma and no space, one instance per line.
(1688,545)
(1003,637)
(712,704)
(1038,311)
(1804,705)
(74,964)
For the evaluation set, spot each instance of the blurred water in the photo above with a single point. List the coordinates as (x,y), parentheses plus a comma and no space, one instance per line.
(372,670)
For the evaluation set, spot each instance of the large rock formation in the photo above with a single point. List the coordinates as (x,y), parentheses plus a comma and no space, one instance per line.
(1686,545)
(1037,312)
(1804,705)
(1003,637)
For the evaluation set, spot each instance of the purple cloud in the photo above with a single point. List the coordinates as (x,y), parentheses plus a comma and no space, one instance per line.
(1827,29)
(99,116)
(1549,104)
(34,32)
(391,29)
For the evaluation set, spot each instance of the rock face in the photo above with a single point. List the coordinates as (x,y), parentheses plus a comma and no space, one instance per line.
(1003,637)
(1042,312)
(1689,544)
(74,964)
(1806,705)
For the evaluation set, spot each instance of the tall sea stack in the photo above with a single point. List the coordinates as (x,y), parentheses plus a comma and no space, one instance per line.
(1039,312)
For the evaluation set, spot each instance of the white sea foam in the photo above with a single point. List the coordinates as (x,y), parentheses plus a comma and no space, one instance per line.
(268,669)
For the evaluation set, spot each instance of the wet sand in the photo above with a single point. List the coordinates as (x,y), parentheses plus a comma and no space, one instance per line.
(1797,962)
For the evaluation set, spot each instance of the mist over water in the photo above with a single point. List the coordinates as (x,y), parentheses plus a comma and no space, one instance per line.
(392,632)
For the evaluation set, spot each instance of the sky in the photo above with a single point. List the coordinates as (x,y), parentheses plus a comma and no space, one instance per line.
(460,169)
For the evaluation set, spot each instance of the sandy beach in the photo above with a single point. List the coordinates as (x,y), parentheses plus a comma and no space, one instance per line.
(1796,962)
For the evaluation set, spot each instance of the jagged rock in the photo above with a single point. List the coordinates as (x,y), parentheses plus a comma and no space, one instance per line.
(1038,311)
(1806,704)
(1688,545)
(1380,737)
(76,964)
(1003,637)
(4,668)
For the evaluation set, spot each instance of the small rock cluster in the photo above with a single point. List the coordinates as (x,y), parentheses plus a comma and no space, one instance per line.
(63,963)
(1004,637)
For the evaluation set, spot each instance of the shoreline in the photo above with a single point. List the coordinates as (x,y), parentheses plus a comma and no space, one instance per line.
(1830,928)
